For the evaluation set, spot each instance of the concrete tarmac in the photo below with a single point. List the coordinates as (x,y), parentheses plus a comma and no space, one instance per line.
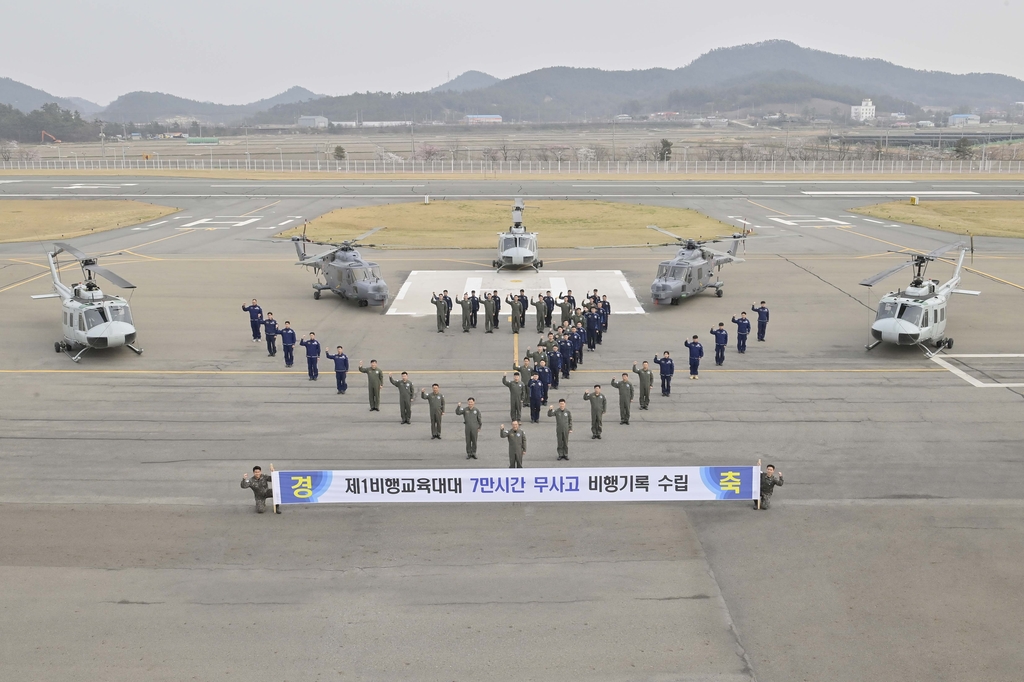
(892,551)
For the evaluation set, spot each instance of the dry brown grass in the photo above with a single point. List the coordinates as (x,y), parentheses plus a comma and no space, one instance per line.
(44,219)
(981,218)
(475,224)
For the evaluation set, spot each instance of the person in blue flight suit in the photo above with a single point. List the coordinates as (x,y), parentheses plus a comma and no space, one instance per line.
(593,328)
(696,353)
(568,353)
(762,319)
(721,341)
(497,307)
(555,365)
(474,302)
(742,331)
(601,317)
(270,329)
(288,343)
(580,341)
(448,302)
(255,319)
(536,391)
(549,308)
(606,305)
(543,373)
(340,369)
(668,368)
(524,300)
(312,355)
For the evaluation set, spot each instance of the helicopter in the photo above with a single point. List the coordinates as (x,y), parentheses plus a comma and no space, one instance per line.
(344,271)
(692,269)
(91,318)
(917,314)
(517,247)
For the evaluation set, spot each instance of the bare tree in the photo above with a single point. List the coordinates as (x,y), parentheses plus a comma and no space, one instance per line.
(543,154)
(505,149)
(601,153)
(490,154)
(560,152)
(519,154)
(5,150)
(454,148)
(428,152)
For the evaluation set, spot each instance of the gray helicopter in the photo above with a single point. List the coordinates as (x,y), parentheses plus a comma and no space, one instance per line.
(343,271)
(693,268)
(517,248)
(91,319)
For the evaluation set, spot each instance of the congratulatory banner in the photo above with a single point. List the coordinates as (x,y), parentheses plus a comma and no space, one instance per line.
(625,484)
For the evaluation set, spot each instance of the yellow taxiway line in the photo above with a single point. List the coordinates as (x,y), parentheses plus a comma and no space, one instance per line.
(611,370)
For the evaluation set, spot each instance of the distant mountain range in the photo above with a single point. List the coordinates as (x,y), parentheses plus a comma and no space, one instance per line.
(471,80)
(766,76)
(143,107)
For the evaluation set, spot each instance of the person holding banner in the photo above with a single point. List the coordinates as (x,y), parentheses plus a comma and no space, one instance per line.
(474,422)
(769,479)
(436,401)
(261,487)
(516,396)
(516,445)
(598,406)
(406,394)
(563,427)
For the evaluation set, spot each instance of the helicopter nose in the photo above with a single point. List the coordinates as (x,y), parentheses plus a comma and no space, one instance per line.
(110,335)
(895,330)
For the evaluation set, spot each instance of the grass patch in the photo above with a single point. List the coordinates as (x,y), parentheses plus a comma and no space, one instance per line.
(980,218)
(475,224)
(46,219)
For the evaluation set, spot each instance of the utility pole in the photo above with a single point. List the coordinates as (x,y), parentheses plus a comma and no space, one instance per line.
(412,136)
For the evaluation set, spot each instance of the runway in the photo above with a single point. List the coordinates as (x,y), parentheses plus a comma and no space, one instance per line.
(893,550)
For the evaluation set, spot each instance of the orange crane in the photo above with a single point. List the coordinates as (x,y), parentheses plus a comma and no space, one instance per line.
(44,135)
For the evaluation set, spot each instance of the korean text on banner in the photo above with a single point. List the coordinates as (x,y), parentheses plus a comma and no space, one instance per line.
(625,484)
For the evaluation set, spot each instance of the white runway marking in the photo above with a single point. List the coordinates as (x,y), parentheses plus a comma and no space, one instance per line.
(783,183)
(290,220)
(155,224)
(806,221)
(139,228)
(877,222)
(78,186)
(7,182)
(231,222)
(884,193)
(414,296)
(940,360)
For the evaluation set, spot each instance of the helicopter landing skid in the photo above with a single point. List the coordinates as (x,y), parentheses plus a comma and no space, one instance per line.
(870,346)
(138,351)
(78,356)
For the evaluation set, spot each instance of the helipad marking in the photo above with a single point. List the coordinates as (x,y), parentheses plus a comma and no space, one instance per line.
(941,361)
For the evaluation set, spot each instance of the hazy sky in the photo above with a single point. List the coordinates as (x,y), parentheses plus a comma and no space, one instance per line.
(234,52)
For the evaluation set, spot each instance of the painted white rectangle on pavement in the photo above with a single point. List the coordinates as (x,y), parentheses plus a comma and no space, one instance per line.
(414,295)
(611,484)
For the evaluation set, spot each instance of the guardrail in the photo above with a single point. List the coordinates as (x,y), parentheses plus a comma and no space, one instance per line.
(955,167)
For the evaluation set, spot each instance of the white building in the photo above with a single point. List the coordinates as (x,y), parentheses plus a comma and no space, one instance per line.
(481,119)
(865,112)
(312,121)
(962,120)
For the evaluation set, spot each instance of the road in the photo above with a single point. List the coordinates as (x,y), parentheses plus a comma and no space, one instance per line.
(893,550)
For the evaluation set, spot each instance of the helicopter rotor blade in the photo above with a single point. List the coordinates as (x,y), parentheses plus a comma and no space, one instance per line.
(108,275)
(620,246)
(944,249)
(367,234)
(78,255)
(875,279)
(658,229)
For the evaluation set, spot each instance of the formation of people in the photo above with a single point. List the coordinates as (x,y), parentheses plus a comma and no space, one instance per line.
(559,352)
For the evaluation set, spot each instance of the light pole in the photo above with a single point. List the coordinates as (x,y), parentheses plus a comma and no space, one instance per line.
(103,147)
(281,154)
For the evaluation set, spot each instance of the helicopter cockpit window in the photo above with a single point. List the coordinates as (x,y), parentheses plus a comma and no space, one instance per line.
(375,272)
(508,243)
(663,271)
(886,310)
(120,314)
(94,317)
(910,313)
(688,274)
